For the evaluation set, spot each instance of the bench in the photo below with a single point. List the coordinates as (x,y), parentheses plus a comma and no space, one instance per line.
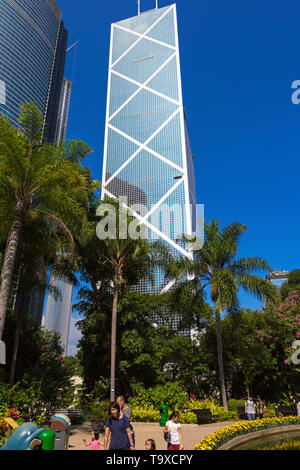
(75,415)
(203,415)
(286,410)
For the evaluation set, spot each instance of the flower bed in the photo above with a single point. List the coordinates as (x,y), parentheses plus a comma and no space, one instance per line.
(215,440)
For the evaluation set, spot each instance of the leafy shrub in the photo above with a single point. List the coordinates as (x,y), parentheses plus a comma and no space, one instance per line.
(234,404)
(96,410)
(145,415)
(170,394)
(225,416)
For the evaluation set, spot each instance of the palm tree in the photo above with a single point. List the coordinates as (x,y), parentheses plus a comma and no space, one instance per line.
(128,260)
(215,266)
(36,178)
(40,247)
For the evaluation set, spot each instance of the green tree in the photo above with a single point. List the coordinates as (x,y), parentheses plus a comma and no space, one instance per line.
(215,266)
(41,246)
(292,283)
(128,256)
(280,334)
(36,177)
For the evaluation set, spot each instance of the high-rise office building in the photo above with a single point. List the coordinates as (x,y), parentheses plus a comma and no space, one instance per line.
(33,42)
(59,311)
(146,141)
(277,278)
(63,112)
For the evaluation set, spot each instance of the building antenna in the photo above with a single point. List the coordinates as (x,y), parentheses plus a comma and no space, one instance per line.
(139,7)
(74,57)
(156,4)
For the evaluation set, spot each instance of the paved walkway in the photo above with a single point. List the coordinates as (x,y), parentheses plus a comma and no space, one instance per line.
(192,434)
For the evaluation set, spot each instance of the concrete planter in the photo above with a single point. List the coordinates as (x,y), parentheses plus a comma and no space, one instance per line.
(247,440)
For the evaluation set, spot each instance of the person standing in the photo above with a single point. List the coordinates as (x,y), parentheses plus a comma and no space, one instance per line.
(250,409)
(174,428)
(94,442)
(117,429)
(260,407)
(127,411)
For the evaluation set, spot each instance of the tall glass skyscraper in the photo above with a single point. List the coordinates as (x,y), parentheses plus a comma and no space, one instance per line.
(59,310)
(33,43)
(147,155)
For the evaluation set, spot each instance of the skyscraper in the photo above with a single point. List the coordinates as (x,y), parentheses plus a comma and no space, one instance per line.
(277,278)
(59,310)
(146,141)
(63,112)
(33,42)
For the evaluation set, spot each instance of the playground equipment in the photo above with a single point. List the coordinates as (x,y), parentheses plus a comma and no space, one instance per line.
(29,437)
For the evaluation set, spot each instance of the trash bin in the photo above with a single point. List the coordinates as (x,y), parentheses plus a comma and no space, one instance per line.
(60,425)
(48,438)
(163,415)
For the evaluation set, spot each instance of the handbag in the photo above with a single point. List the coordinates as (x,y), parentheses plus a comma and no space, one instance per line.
(167,436)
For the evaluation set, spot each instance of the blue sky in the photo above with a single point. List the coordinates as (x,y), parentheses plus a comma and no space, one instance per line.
(238,61)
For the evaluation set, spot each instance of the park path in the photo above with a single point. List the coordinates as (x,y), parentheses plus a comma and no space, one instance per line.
(192,434)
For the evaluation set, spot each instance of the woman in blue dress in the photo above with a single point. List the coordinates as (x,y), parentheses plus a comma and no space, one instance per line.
(117,430)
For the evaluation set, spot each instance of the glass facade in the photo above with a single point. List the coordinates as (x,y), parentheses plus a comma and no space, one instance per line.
(33,43)
(278,278)
(147,155)
(63,112)
(59,310)
(32,39)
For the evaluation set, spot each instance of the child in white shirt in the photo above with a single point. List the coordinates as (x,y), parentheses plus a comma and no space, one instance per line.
(174,428)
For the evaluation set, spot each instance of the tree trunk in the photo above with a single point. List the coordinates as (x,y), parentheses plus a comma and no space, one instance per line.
(220,359)
(20,309)
(113,340)
(8,264)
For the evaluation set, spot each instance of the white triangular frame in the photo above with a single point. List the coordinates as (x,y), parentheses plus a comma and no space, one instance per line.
(143,145)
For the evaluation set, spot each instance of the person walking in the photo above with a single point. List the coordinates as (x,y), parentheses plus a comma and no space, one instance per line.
(250,409)
(260,408)
(117,429)
(173,427)
(127,411)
